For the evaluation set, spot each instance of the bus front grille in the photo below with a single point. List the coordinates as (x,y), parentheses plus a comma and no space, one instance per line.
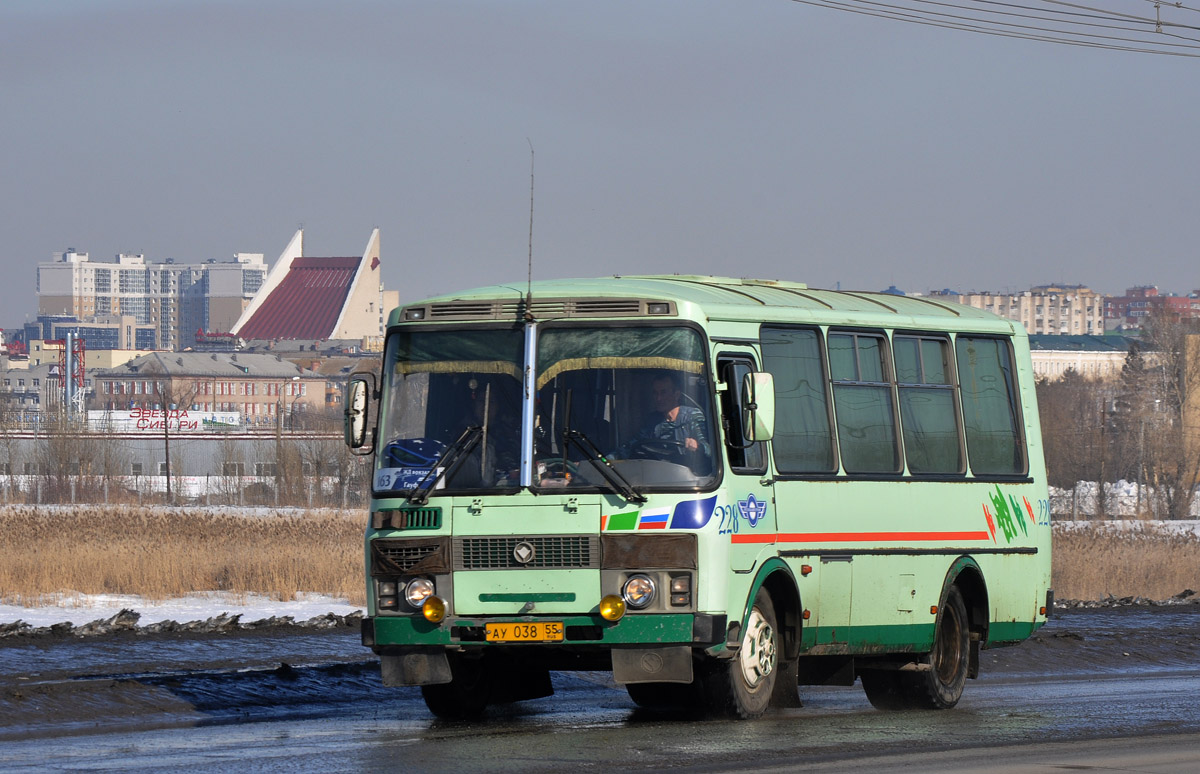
(548,552)
(392,556)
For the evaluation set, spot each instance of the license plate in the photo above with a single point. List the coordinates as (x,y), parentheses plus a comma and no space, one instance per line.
(542,631)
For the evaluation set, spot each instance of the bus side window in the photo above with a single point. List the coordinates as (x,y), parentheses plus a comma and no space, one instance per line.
(863,402)
(744,456)
(988,382)
(803,440)
(928,410)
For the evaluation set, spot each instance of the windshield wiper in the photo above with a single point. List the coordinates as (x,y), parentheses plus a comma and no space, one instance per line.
(619,483)
(449,462)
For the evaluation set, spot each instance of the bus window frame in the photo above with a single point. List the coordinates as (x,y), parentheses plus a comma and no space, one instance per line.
(1015,399)
(706,372)
(381,408)
(967,475)
(732,392)
(947,337)
(887,363)
(835,472)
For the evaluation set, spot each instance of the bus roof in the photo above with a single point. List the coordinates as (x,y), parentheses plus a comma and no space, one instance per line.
(718,298)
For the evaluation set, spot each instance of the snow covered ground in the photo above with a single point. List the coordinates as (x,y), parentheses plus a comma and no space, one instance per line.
(1121,500)
(80,609)
(1136,526)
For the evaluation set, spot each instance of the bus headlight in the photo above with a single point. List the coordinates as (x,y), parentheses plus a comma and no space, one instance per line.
(638,591)
(417,591)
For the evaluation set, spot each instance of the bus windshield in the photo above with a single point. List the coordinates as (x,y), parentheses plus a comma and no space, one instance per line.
(622,407)
(451,415)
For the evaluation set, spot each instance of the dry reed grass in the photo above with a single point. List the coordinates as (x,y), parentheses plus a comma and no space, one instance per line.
(1091,564)
(161,553)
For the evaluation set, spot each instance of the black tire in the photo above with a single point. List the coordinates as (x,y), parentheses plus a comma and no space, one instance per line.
(951,656)
(885,690)
(743,685)
(465,696)
(940,684)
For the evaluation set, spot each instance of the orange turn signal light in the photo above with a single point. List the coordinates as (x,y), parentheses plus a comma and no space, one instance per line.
(612,607)
(805,569)
(434,610)
(933,609)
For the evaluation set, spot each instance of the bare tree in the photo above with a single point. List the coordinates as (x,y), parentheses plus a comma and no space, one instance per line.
(1159,410)
(174,396)
(1073,413)
(233,466)
(9,425)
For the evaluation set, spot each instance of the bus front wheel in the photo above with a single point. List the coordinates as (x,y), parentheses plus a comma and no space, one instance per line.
(467,693)
(742,686)
(944,670)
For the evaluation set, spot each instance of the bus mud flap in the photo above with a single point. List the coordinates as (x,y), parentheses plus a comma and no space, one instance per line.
(415,668)
(652,665)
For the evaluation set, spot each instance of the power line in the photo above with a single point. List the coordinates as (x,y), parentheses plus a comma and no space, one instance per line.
(1142,34)
(1019,27)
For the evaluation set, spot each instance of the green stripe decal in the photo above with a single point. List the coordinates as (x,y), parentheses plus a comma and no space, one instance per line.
(897,638)
(623,520)
(527,597)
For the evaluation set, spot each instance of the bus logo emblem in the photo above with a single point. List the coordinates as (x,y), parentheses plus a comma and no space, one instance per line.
(523,552)
(752,510)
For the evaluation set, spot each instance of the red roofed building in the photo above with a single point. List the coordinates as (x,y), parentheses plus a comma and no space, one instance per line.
(318,298)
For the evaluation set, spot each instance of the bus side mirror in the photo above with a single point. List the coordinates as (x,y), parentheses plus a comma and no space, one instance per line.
(359,391)
(758,406)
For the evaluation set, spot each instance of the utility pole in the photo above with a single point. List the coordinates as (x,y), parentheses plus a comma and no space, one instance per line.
(162,399)
(1100,482)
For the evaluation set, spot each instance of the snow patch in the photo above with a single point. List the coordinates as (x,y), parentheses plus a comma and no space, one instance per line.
(79,609)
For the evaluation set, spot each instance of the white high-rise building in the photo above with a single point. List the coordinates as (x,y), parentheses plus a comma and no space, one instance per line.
(177,299)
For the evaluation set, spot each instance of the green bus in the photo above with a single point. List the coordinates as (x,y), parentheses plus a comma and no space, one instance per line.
(717,489)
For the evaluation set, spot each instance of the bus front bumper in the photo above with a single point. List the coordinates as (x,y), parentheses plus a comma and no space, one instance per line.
(386,633)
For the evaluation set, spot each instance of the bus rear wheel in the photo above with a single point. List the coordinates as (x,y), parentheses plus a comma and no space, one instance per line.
(742,686)
(943,675)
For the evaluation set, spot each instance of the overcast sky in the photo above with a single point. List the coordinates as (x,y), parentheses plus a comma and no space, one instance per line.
(744,137)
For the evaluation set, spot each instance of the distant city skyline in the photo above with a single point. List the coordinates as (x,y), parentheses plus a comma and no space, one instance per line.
(272,259)
(763,138)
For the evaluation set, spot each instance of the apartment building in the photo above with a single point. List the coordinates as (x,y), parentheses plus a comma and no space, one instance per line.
(1074,310)
(176,300)
(1139,303)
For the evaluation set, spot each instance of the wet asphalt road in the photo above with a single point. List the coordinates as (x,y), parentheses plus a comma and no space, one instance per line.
(311,701)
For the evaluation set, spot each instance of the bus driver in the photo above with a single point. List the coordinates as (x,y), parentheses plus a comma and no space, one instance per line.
(671,432)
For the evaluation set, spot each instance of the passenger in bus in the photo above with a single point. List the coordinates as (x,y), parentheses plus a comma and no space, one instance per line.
(672,432)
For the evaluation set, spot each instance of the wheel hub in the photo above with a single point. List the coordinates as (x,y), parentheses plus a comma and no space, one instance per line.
(757,655)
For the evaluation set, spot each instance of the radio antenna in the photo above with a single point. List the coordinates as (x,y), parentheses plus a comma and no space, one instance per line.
(529,281)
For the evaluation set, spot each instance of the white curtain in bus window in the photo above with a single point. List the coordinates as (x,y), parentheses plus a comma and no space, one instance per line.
(862,402)
(803,440)
(988,385)
(927,414)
